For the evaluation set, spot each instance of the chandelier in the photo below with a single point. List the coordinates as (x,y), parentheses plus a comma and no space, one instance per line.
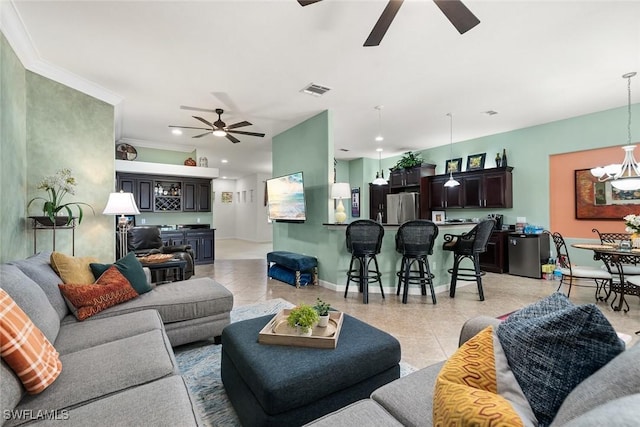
(625,176)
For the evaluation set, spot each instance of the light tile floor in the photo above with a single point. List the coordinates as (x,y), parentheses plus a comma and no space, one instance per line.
(427,333)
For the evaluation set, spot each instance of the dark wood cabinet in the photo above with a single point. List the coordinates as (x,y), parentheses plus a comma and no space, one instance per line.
(410,177)
(487,188)
(496,257)
(378,201)
(203,245)
(183,194)
(172,238)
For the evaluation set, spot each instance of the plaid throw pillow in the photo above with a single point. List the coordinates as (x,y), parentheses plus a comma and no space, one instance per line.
(25,348)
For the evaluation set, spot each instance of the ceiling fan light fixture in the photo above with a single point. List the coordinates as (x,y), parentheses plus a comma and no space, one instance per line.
(219,132)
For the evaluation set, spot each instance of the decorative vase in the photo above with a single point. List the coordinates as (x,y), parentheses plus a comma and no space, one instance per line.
(324,321)
(498,160)
(504,158)
(46,221)
(303,332)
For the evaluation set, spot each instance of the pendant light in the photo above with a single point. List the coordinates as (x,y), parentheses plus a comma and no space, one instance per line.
(379,138)
(625,176)
(451,182)
(379,175)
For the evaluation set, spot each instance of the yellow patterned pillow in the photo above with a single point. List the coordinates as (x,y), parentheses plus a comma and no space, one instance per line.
(73,269)
(468,388)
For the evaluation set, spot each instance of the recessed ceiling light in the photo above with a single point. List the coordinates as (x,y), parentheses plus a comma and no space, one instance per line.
(224,177)
(224,161)
(176,131)
(379,150)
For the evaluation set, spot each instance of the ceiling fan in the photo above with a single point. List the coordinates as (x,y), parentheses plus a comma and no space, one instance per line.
(456,12)
(220,128)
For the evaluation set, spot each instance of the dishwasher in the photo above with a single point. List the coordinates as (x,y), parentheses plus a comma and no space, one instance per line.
(527,253)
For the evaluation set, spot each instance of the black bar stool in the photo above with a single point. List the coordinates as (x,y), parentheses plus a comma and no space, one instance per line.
(468,245)
(364,240)
(414,240)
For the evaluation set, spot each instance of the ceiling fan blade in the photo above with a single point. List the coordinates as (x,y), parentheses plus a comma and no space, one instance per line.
(188,127)
(203,121)
(261,135)
(232,138)
(204,110)
(202,134)
(458,14)
(307,2)
(239,124)
(381,27)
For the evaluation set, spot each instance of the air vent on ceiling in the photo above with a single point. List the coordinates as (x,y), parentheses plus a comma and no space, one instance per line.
(490,112)
(344,149)
(315,90)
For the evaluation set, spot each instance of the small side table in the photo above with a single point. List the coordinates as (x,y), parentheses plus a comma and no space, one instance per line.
(176,265)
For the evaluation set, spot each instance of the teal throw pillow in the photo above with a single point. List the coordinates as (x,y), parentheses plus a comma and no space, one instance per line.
(552,346)
(130,268)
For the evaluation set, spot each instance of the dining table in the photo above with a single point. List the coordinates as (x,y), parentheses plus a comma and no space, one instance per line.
(615,257)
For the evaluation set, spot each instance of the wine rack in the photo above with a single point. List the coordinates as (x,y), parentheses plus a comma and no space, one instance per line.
(168,203)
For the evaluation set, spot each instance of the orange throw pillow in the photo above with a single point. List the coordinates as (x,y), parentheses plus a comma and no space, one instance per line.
(25,348)
(110,289)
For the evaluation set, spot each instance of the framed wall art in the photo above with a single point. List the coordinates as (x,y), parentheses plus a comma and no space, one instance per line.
(600,200)
(355,202)
(476,161)
(453,165)
(227,197)
(438,217)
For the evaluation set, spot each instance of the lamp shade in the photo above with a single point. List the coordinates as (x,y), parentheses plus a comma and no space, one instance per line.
(341,190)
(121,204)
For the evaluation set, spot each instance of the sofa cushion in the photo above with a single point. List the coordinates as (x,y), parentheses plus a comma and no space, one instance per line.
(552,346)
(475,387)
(73,269)
(362,413)
(105,369)
(25,348)
(31,299)
(180,301)
(618,378)
(76,336)
(131,268)
(110,289)
(165,402)
(620,412)
(38,269)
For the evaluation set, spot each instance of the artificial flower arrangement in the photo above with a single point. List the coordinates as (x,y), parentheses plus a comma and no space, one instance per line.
(633,223)
(57,187)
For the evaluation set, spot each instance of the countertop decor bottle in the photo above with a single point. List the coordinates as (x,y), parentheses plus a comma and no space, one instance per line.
(498,160)
(504,158)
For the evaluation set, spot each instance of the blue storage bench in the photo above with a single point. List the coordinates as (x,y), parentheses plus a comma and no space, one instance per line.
(289,268)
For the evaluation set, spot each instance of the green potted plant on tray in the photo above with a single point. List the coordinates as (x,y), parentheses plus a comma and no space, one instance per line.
(323,312)
(303,317)
(409,160)
(57,186)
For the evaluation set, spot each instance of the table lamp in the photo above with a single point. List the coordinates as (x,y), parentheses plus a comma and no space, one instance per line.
(121,204)
(339,191)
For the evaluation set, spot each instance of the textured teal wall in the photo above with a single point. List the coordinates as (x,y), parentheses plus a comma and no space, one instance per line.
(13,155)
(170,157)
(308,147)
(68,129)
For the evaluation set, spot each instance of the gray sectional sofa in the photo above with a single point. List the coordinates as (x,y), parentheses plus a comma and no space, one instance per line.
(610,396)
(118,367)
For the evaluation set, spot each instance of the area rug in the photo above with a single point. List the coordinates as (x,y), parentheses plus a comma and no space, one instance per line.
(199,364)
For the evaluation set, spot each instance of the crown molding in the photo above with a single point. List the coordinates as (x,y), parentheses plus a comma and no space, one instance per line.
(13,28)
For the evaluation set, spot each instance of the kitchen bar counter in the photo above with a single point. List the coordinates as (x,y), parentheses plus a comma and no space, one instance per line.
(389,259)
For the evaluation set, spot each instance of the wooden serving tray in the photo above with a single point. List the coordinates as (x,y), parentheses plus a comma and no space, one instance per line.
(278,332)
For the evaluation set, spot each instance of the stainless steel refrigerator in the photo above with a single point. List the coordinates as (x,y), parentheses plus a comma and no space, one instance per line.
(527,253)
(402,207)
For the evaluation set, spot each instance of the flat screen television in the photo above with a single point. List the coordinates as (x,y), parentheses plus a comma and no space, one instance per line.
(285,195)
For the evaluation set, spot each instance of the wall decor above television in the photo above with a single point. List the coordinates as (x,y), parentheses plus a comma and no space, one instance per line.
(286,201)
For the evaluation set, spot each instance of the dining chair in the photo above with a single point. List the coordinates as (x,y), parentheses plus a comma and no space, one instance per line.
(571,273)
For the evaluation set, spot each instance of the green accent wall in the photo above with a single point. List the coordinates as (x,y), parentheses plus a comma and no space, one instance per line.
(169,157)
(308,147)
(13,155)
(48,126)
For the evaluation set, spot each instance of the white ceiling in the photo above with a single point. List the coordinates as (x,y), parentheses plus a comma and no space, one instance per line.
(531,61)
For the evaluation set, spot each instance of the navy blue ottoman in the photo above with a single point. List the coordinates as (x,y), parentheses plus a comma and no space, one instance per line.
(274,385)
(290,266)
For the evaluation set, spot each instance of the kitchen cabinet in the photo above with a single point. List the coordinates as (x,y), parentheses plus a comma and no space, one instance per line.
(179,194)
(141,187)
(487,188)
(378,201)
(203,245)
(496,258)
(202,242)
(410,177)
